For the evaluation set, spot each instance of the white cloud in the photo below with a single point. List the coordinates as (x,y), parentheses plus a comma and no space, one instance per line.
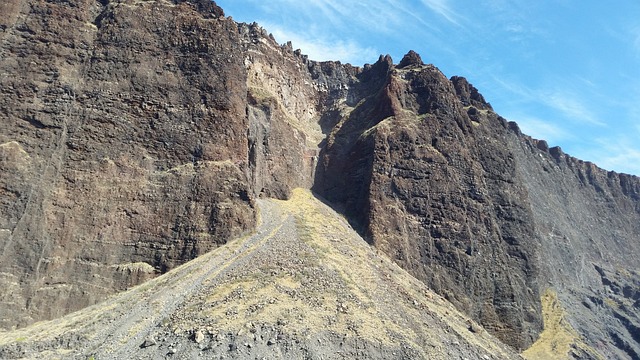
(322,49)
(442,8)
(541,130)
(572,107)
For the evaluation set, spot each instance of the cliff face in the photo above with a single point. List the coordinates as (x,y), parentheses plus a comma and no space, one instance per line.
(137,135)
(126,148)
(588,223)
(425,172)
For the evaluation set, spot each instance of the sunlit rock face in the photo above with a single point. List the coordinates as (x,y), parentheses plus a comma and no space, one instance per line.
(137,135)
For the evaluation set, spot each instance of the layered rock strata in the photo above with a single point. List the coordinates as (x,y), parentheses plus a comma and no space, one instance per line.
(137,135)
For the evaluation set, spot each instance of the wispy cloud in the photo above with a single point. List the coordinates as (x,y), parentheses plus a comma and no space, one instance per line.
(345,29)
(566,101)
(516,88)
(321,49)
(572,107)
(442,8)
(347,15)
(635,36)
(541,129)
(619,154)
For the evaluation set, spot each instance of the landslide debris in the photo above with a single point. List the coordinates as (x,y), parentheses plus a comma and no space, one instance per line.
(305,285)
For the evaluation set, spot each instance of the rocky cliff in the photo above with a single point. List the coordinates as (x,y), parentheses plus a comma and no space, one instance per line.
(137,135)
(126,146)
(437,190)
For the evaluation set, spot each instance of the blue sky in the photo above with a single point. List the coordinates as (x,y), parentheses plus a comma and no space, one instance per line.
(567,71)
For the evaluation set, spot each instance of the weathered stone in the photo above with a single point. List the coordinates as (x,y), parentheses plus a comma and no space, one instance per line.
(198,336)
(150,341)
(136,135)
(468,94)
(439,196)
(125,140)
(412,58)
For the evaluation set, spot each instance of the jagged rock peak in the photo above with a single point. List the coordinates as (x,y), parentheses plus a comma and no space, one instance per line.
(385,59)
(208,8)
(468,94)
(412,58)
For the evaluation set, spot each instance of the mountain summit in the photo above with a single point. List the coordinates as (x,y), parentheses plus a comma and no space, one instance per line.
(139,135)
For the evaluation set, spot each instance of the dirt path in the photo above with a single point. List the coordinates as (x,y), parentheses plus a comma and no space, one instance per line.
(303,286)
(146,314)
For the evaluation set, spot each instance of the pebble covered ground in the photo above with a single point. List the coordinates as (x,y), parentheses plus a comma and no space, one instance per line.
(303,286)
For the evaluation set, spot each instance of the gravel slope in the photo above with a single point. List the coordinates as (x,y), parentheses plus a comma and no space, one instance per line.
(304,286)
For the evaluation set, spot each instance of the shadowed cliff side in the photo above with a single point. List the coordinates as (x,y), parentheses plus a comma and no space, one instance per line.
(438,192)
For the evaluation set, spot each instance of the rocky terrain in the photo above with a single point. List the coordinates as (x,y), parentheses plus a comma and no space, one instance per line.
(440,192)
(126,147)
(138,135)
(305,285)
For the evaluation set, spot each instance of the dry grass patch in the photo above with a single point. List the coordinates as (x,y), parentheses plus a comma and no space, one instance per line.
(558,338)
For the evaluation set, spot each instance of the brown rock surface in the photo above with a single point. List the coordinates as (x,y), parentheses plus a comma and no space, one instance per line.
(137,135)
(126,146)
(438,192)
(122,135)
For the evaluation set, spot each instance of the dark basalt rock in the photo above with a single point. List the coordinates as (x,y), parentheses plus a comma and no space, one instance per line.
(412,58)
(207,8)
(136,135)
(439,199)
(468,94)
(126,148)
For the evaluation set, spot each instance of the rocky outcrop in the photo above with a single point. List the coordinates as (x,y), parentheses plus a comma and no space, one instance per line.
(487,216)
(439,193)
(123,147)
(133,140)
(412,58)
(137,135)
(283,111)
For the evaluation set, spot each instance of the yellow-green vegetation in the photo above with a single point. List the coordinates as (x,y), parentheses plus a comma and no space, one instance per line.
(261,95)
(135,267)
(374,282)
(558,337)
(310,308)
(386,122)
(611,303)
